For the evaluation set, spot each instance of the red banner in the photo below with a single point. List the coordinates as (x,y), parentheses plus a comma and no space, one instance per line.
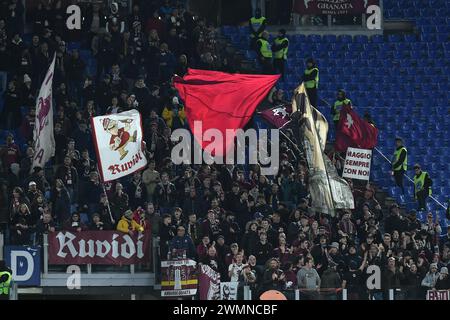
(333,7)
(179,278)
(98,247)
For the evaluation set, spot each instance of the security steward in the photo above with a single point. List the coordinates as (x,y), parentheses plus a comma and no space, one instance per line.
(311,80)
(265,55)
(280,49)
(399,163)
(257,26)
(422,186)
(5,280)
(338,104)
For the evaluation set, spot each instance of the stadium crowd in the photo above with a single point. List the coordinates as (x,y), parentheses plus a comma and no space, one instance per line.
(257,230)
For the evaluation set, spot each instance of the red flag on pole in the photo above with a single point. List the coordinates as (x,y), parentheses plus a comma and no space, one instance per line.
(352,131)
(221,100)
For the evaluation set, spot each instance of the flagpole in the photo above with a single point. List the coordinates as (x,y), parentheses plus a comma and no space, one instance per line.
(106,194)
(289,140)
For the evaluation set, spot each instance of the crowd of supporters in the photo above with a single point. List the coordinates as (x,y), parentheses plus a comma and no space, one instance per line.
(255,229)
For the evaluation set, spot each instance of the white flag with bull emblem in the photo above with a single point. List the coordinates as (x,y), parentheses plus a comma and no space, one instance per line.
(119,144)
(44,140)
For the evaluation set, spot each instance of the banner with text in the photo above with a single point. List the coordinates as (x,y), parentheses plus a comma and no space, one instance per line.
(208,283)
(98,247)
(357,164)
(228,290)
(119,144)
(179,278)
(437,295)
(333,7)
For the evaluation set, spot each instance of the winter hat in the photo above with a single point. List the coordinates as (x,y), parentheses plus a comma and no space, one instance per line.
(444,270)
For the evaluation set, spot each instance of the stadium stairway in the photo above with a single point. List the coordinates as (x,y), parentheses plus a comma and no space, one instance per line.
(401,79)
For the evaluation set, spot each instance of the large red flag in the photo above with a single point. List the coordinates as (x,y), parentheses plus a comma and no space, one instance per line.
(221,100)
(352,131)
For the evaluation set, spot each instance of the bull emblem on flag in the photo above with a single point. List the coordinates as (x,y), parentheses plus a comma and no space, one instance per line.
(44,108)
(280,112)
(120,137)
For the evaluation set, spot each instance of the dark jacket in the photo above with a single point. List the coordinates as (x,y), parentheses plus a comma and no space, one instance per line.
(443,284)
(330,279)
(270,284)
(263,252)
(183,243)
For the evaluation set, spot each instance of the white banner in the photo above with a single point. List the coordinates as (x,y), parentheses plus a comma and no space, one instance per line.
(357,164)
(228,290)
(118,140)
(44,140)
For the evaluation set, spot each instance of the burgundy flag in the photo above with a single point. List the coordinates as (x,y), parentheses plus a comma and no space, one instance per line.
(278,116)
(352,131)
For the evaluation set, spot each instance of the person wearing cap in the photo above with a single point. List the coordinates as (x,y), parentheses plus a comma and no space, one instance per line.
(26,91)
(97,224)
(311,80)
(128,225)
(174,114)
(33,191)
(341,101)
(334,254)
(257,25)
(394,221)
(429,281)
(422,186)
(443,282)
(280,49)
(413,223)
(399,163)
(182,244)
(265,55)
